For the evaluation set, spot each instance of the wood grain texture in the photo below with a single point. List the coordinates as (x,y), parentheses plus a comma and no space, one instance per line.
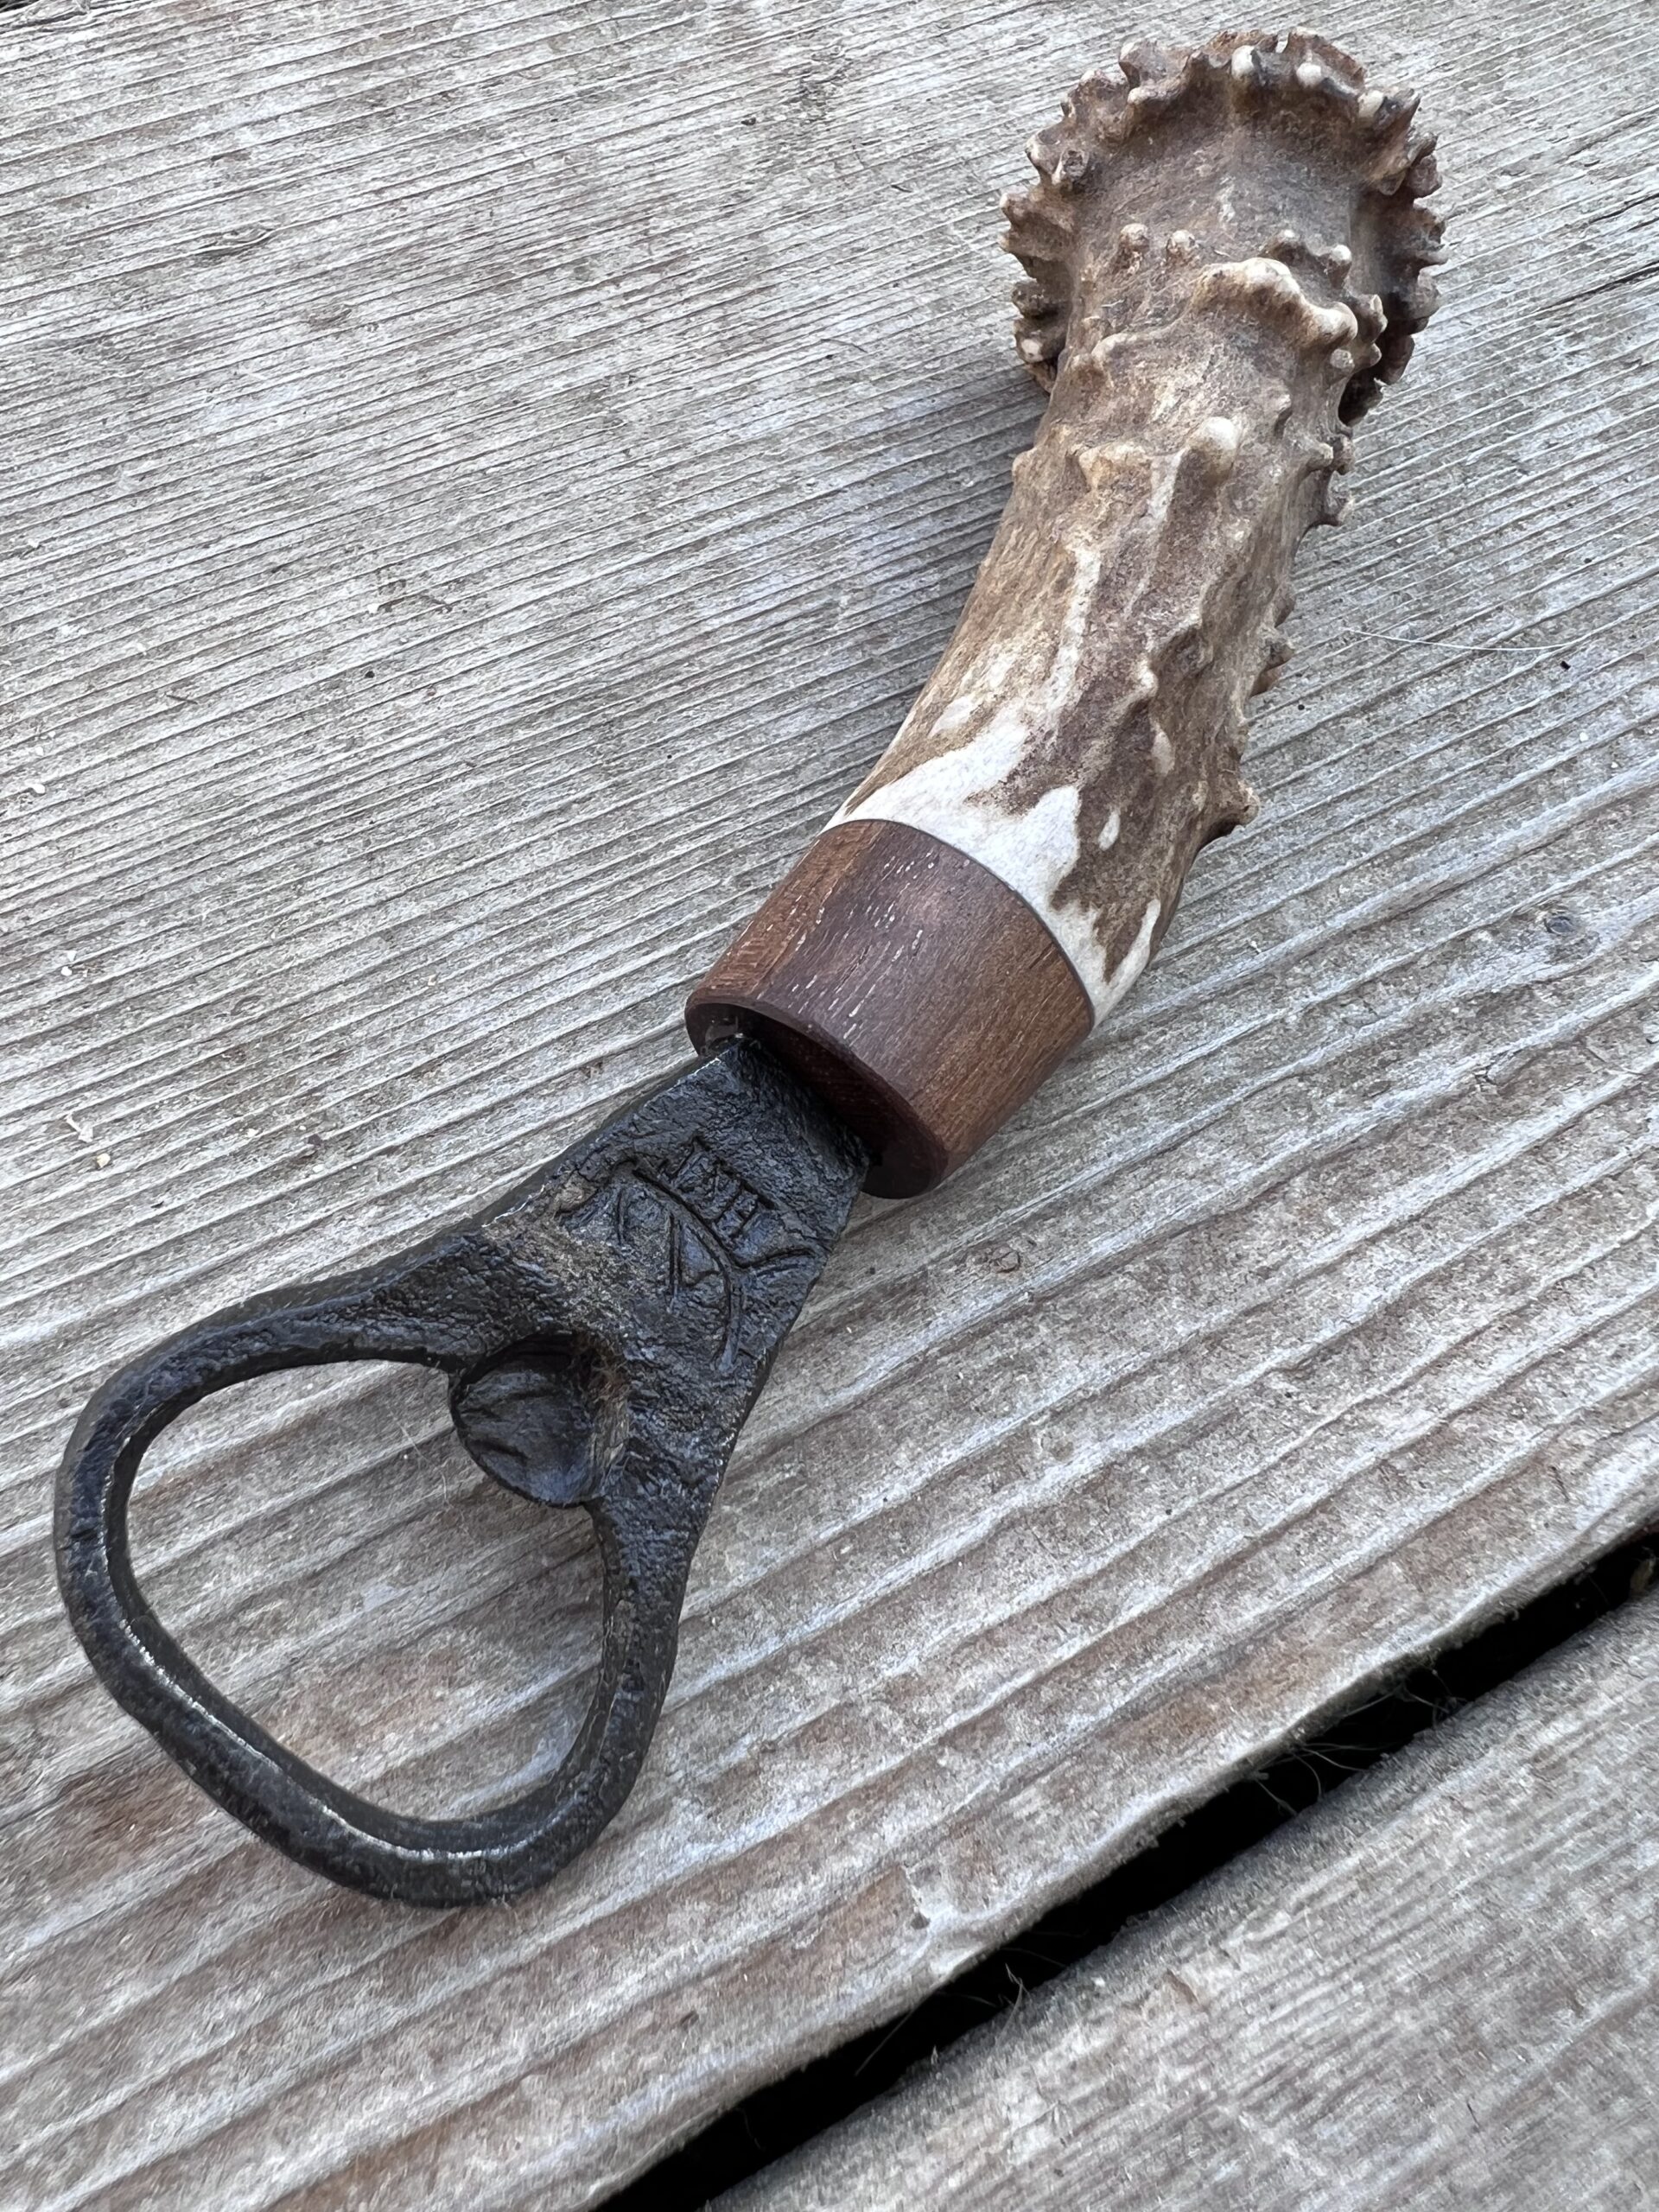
(1441,1989)
(478,487)
(916,993)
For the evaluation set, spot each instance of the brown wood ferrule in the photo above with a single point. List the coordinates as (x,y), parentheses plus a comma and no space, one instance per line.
(921,997)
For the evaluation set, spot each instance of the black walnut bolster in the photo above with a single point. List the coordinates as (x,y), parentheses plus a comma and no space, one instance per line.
(921,998)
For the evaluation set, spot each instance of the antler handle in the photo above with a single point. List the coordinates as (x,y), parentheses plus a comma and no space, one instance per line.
(1225,257)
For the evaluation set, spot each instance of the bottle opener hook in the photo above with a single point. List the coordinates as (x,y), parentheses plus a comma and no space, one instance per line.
(606,1329)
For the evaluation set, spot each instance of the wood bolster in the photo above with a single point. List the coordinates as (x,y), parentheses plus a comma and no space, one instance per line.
(917,994)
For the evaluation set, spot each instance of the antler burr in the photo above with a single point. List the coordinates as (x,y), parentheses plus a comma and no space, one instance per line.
(1224,254)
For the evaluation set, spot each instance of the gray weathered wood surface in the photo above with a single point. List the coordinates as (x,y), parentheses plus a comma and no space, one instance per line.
(476,485)
(1440,1990)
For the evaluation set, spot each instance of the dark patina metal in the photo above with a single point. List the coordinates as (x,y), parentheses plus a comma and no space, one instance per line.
(606,1328)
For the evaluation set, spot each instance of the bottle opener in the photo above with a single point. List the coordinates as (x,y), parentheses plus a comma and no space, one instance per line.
(1224,251)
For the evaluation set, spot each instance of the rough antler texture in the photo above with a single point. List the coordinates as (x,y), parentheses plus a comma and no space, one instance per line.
(1224,257)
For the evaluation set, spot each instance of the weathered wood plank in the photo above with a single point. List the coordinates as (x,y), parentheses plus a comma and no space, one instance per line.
(1441,1989)
(474,499)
